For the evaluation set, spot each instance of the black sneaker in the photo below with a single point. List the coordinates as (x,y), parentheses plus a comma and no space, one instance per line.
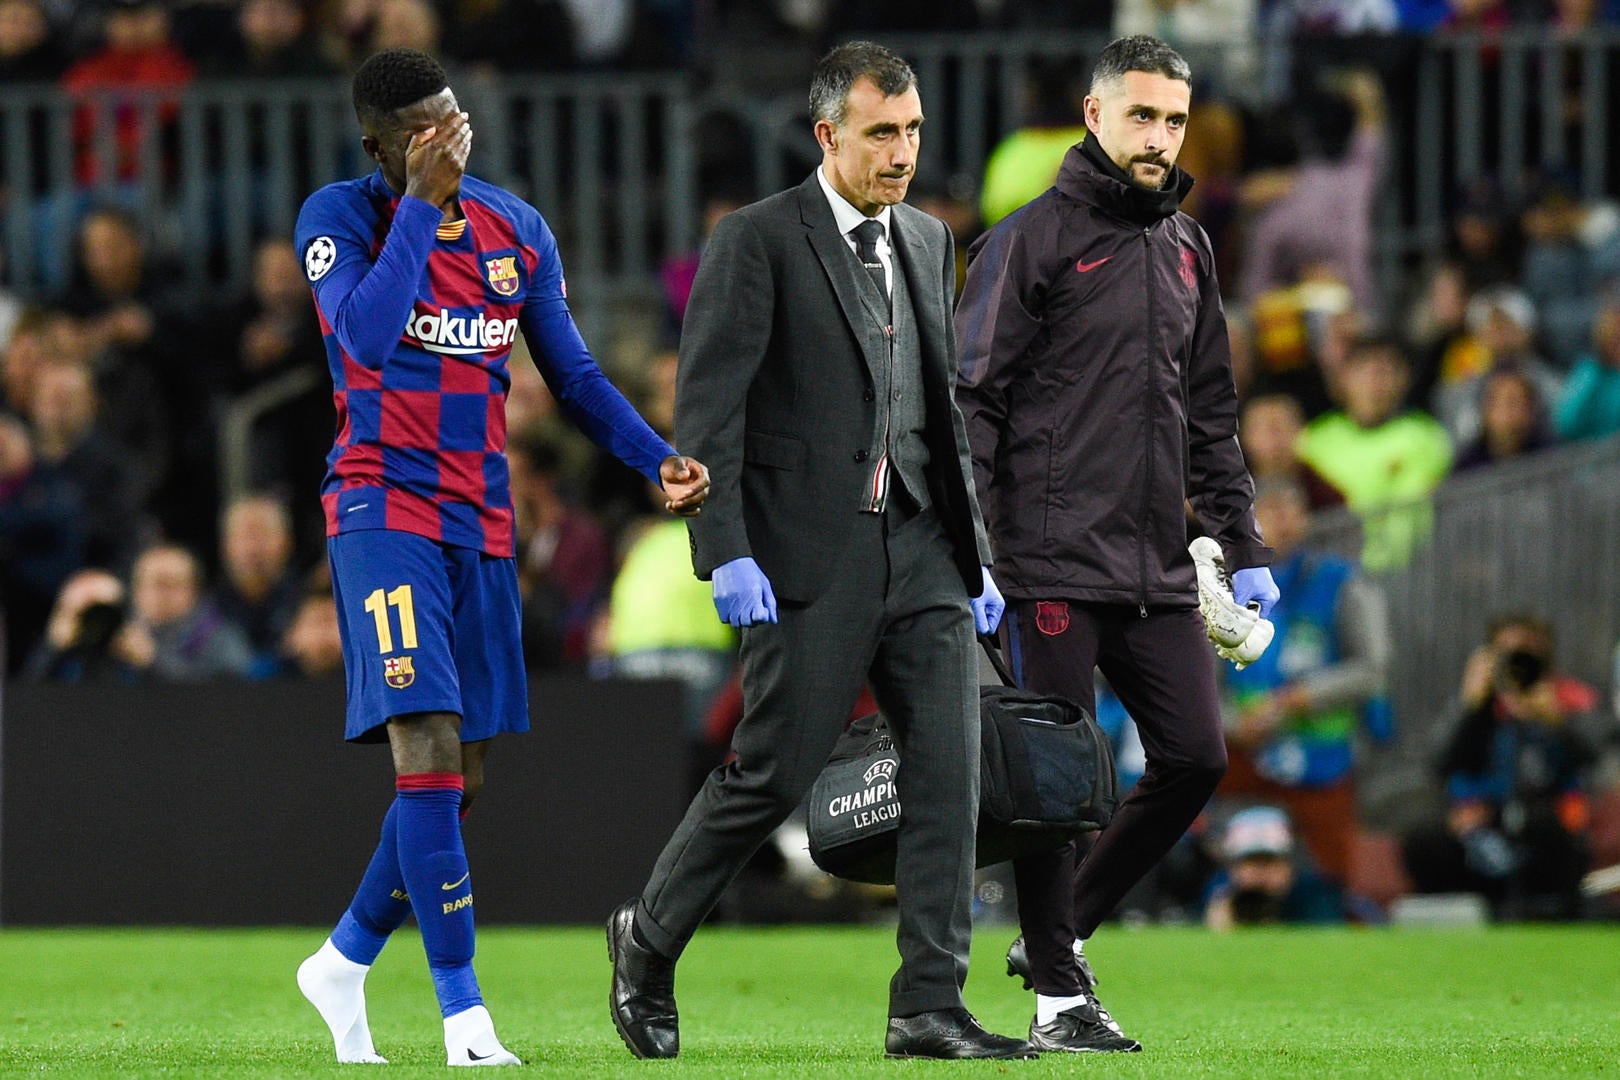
(1018,965)
(1082,1029)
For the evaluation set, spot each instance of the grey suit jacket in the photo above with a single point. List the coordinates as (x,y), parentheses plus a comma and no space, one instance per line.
(774,389)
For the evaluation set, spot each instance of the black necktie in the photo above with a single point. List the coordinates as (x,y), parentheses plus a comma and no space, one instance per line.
(866,236)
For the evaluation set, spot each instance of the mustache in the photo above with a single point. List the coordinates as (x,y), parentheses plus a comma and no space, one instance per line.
(1151,159)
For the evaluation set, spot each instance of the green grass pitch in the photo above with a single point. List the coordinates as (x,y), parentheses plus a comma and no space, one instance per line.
(809,1001)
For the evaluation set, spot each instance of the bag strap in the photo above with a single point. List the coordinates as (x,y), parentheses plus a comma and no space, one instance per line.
(992,649)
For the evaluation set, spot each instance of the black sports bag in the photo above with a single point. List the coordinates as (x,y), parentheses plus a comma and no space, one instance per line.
(854,809)
(1046,775)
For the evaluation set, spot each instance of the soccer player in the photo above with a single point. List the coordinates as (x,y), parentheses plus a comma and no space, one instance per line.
(423,277)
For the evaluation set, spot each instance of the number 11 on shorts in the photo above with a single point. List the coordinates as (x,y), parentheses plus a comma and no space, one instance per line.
(378,603)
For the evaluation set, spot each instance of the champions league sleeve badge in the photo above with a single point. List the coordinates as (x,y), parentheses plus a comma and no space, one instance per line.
(319,257)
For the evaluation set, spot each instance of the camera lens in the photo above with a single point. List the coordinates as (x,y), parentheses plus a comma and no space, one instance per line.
(1523,669)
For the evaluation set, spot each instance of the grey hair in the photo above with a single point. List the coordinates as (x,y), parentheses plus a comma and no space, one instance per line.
(1139,52)
(838,70)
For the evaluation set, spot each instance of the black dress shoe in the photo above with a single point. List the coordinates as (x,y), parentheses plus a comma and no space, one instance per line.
(643,993)
(949,1033)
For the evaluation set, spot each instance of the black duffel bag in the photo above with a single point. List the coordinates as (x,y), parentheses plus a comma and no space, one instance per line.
(1046,775)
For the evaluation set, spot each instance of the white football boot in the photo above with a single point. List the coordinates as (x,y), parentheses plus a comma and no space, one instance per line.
(1239,633)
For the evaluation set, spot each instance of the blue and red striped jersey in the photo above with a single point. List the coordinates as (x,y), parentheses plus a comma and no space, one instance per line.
(419,329)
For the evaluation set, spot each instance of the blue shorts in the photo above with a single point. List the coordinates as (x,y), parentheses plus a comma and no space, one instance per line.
(428,627)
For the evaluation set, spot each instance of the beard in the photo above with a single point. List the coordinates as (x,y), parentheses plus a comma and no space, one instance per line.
(1151,183)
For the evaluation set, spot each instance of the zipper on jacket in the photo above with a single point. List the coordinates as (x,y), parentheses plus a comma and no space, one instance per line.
(1147,485)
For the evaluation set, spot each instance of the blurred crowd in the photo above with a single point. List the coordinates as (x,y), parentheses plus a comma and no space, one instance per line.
(86,44)
(126,555)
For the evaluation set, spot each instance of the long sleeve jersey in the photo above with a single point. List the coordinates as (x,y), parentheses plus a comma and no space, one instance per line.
(419,329)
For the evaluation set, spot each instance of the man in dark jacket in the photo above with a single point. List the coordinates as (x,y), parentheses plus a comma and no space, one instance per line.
(1097,388)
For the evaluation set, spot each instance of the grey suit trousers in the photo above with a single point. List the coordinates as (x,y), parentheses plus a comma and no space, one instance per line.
(895,614)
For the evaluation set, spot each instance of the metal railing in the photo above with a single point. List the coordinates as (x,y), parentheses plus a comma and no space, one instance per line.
(612,160)
(1542,535)
(238,428)
(1514,103)
(214,168)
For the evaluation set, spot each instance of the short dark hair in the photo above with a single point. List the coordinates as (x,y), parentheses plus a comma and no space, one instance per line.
(838,70)
(1377,343)
(392,79)
(1327,123)
(1139,52)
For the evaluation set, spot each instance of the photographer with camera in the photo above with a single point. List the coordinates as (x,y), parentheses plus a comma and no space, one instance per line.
(160,628)
(1516,814)
(78,645)
(1264,878)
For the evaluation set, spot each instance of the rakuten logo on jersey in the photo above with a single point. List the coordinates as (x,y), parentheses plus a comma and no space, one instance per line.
(459,335)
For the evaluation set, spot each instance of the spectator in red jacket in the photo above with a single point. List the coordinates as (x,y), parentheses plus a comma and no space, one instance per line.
(138,56)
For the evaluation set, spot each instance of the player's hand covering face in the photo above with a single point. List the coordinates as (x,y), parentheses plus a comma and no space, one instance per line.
(424,150)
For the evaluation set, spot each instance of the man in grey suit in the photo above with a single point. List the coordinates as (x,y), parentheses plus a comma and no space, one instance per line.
(842,534)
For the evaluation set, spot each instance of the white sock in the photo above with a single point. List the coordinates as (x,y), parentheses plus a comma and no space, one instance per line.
(1047,1008)
(336,986)
(469,1039)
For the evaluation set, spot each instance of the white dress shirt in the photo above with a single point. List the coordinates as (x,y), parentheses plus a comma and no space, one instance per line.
(848,217)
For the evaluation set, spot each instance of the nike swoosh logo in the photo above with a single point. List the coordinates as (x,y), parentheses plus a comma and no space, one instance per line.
(479,1057)
(456,884)
(356,506)
(1087,267)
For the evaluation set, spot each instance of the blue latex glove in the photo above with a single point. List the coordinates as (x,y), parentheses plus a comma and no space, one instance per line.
(987,606)
(1254,586)
(742,593)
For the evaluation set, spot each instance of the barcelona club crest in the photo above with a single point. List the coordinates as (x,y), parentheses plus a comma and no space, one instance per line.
(398,672)
(502,274)
(1189,268)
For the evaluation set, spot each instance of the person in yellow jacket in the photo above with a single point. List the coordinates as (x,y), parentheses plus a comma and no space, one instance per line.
(1386,461)
(662,626)
(1025,162)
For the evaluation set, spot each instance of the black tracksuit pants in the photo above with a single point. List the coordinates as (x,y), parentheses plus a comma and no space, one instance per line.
(1163,669)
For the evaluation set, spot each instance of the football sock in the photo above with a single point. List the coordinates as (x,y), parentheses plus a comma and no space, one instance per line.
(1047,1008)
(380,904)
(469,1039)
(434,865)
(336,986)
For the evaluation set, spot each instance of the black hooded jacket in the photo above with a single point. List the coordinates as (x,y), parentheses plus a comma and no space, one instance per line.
(1096,383)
